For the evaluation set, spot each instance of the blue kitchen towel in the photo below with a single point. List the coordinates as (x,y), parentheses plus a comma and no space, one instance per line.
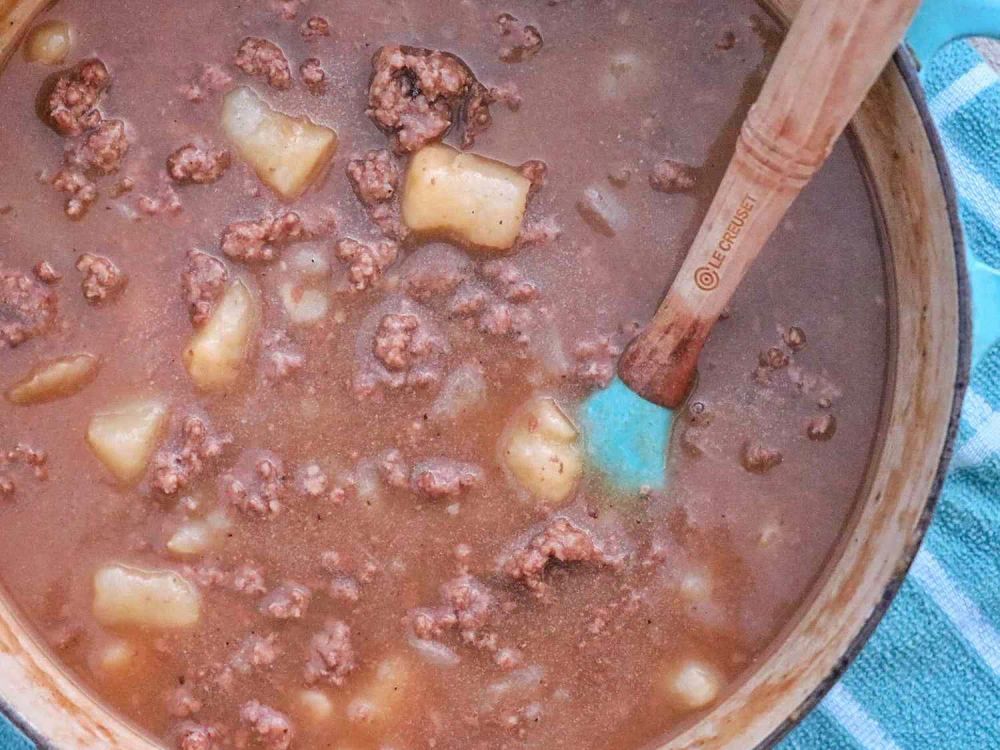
(929,679)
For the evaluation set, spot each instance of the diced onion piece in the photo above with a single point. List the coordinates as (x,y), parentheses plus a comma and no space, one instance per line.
(114,657)
(218,349)
(602,211)
(286,152)
(472,199)
(303,306)
(541,450)
(124,438)
(381,697)
(693,685)
(314,706)
(49,43)
(56,379)
(124,595)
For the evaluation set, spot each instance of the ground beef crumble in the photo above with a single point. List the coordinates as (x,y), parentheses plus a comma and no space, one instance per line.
(759,459)
(375,179)
(80,190)
(197,737)
(260,57)
(331,655)
(438,478)
(204,282)
(280,359)
(165,201)
(189,163)
(256,486)
(72,103)
(288,601)
(101,277)
(46,272)
(195,447)
(101,150)
(367,260)
(212,78)
(273,729)
(518,41)
(315,27)
(182,703)
(259,240)
(670,176)
(415,92)
(561,540)
(312,74)
(255,651)
(467,606)
(27,308)
(400,341)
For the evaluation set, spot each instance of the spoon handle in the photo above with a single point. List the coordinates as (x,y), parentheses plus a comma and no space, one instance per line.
(832,55)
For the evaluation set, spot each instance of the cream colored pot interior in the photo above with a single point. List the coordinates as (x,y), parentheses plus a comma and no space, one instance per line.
(872,558)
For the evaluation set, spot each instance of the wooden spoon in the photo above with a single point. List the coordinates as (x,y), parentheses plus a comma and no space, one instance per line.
(831,56)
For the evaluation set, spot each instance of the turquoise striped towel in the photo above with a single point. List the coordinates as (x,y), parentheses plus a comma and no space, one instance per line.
(929,679)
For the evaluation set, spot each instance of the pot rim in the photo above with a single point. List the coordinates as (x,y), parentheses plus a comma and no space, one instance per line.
(907,65)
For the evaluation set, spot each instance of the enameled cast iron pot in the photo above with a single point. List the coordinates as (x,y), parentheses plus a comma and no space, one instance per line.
(929,362)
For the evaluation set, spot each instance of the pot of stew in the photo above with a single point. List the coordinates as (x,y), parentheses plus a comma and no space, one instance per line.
(299,302)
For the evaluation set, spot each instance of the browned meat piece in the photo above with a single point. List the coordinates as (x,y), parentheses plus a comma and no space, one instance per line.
(273,730)
(182,703)
(315,27)
(375,177)
(312,481)
(595,361)
(468,301)
(400,341)
(367,260)
(287,9)
(518,41)
(758,459)
(440,477)
(256,486)
(81,191)
(101,277)
(496,320)
(258,240)
(773,358)
(280,359)
(795,338)
(247,579)
(287,602)
(45,272)
(101,150)
(512,284)
(669,176)
(414,92)
(561,540)
(536,171)
(174,469)
(394,470)
(166,201)
(727,41)
(212,78)
(27,308)
(190,163)
(255,651)
(467,606)
(331,655)
(822,427)
(197,737)
(72,103)
(259,57)
(312,74)
(476,113)
(204,281)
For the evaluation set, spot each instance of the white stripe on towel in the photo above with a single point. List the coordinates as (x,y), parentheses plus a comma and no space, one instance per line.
(983,444)
(959,608)
(974,188)
(962,90)
(845,709)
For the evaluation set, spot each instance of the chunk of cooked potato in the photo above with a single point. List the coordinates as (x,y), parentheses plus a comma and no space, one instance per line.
(286,152)
(314,706)
(692,685)
(55,379)
(379,700)
(199,535)
(541,449)
(303,305)
(124,437)
(49,42)
(114,658)
(218,350)
(125,595)
(469,198)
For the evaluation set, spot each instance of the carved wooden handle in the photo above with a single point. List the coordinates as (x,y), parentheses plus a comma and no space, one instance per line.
(832,55)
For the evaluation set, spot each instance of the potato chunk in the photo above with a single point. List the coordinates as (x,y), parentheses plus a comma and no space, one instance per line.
(55,379)
(541,449)
(199,535)
(124,595)
(469,198)
(379,700)
(124,438)
(286,152)
(48,43)
(693,685)
(303,305)
(216,354)
(314,706)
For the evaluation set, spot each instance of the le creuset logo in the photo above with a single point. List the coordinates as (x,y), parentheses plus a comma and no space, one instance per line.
(706,277)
